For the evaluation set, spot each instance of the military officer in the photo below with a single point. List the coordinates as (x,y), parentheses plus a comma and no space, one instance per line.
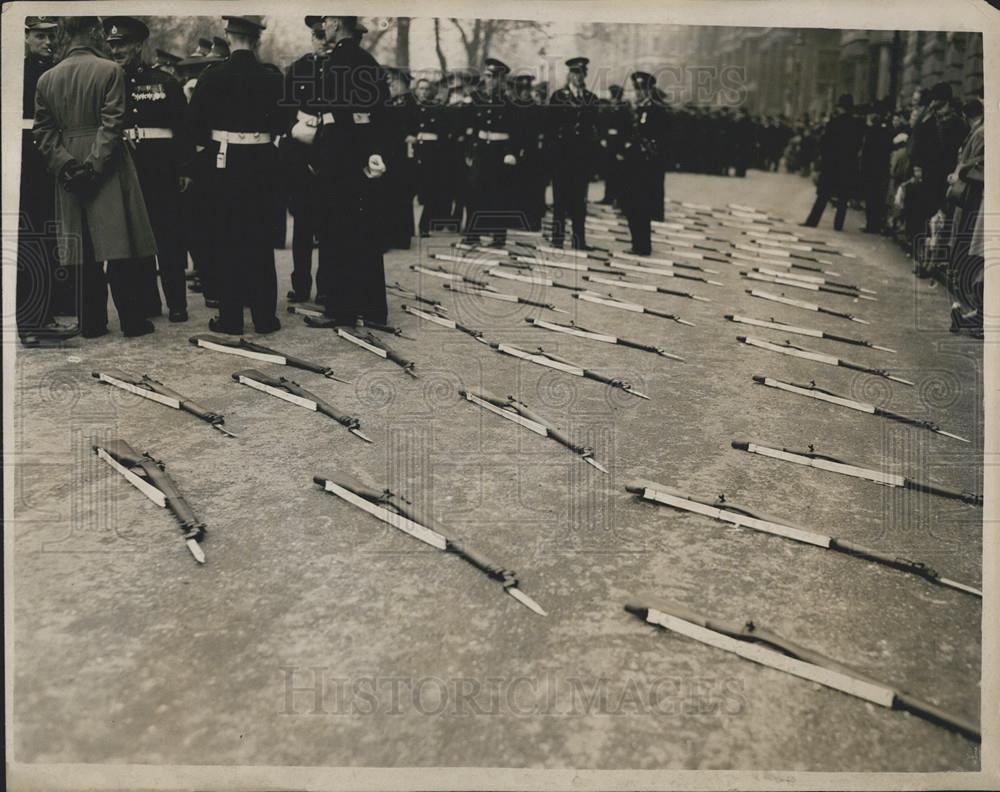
(570,141)
(460,111)
(532,173)
(305,116)
(36,249)
(491,157)
(400,181)
(349,155)
(643,162)
(430,148)
(613,119)
(154,129)
(235,113)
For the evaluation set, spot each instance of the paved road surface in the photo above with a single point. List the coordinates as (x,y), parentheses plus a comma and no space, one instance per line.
(316,636)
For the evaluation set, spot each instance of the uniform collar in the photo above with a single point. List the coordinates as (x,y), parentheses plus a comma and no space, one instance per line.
(81,49)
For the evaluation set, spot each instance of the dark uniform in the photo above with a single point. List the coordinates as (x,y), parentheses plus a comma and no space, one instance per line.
(491,145)
(613,122)
(355,94)
(570,143)
(532,170)
(235,113)
(302,182)
(431,156)
(643,160)
(155,132)
(36,248)
(400,178)
(460,118)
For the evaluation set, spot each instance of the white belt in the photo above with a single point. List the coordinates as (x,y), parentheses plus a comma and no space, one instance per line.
(612,131)
(490,136)
(148,133)
(241,138)
(427,135)
(225,137)
(314,118)
(27,123)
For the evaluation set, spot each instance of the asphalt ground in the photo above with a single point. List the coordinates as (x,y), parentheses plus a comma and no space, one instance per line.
(316,635)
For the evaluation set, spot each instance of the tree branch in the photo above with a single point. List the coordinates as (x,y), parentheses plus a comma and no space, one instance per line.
(437,46)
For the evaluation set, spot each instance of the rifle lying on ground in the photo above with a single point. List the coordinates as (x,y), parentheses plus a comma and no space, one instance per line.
(312,313)
(292,392)
(380,348)
(154,390)
(794,276)
(149,476)
(443,321)
(378,504)
(724,511)
(774,324)
(760,645)
(248,349)
(789,349)
(582,332)
(402,291)
(609,267)
(518,412)
(613,302)
(781,280)
(742,258)
(493,294)
(543,358)
(648,287)
(812,391)
(810,458)
(778,298)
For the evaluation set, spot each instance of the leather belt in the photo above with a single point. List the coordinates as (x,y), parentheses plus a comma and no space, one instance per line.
(427,135)
(491,136)
(148,133)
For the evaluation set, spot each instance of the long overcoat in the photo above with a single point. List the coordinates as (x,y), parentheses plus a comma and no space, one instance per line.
(79,114)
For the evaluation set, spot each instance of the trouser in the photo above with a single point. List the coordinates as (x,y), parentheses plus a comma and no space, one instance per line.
(640,202)
(124,276)
(875,206)
(436,211)
(247,277)
(569,199)
(35,286)
(823,197)
(350,251)
(304,230)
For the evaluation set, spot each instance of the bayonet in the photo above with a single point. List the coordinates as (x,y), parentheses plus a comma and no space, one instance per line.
(648,287)
(722,510)
(518,412)
(248,349)
(581,332)
(149,476)
(811,458)
(379,348)
(795,284)
(814,392)
(806,305)
(774,324)
(614,302)
(819,357)
(543,358)
(384,506)
(290,391)
(753,642)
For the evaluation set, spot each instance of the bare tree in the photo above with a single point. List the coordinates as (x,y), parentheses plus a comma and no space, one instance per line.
(403,42)
(479,35)
(437,46)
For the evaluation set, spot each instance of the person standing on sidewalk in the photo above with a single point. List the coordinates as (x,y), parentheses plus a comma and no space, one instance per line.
(838,165)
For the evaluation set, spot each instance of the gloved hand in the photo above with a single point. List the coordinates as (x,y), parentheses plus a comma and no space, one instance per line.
(376,166)
(510,159)
(77,178)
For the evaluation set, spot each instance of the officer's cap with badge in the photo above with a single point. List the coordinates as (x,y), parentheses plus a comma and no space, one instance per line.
(641,79)
(524,80)
(245,25)
(41,24)
(124,28)
(496,67)
(578,64)
(312,21)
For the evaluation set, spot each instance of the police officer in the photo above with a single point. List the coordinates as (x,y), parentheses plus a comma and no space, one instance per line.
(459,113)
(613,119)
(642,161)
(531,170)
(490,157)
(302,93)
(572,133)
(154,129)
(430,147)
(349,157)
(36,249)
(235,113)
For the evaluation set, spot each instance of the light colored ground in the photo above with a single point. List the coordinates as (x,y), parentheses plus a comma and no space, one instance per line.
(316,636)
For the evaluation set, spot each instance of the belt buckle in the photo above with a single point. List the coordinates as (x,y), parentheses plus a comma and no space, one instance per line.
(241,136)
